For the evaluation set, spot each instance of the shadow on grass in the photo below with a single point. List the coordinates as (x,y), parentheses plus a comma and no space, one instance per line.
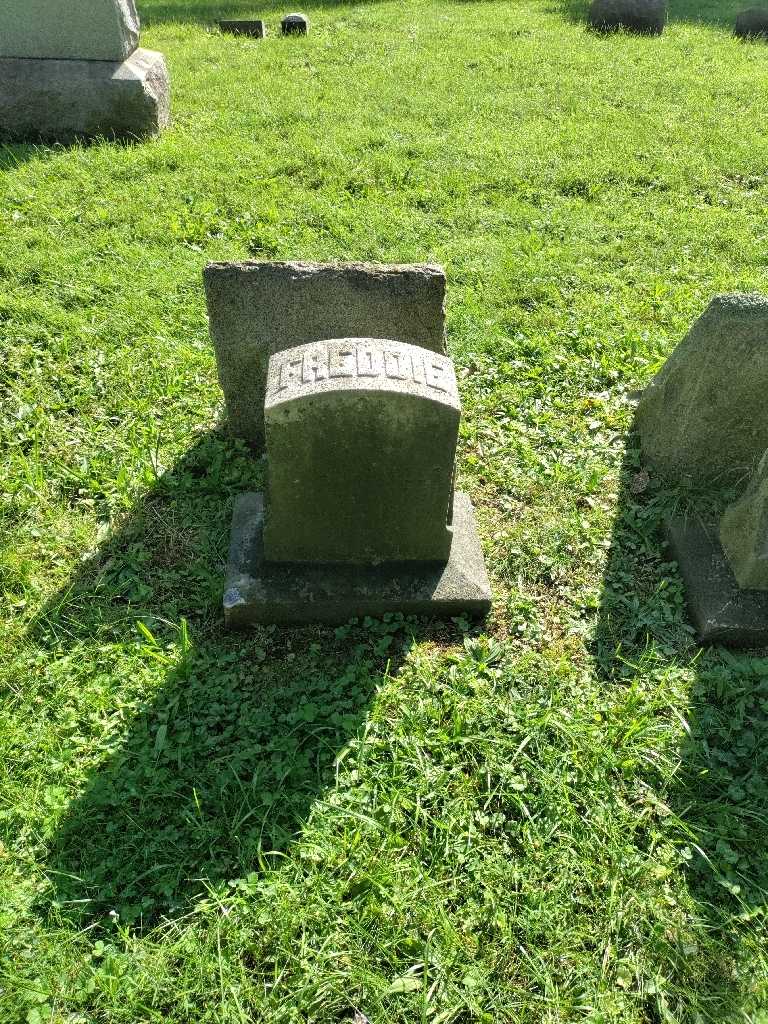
(156,12)
(716,799)
(231,738)
(711,12)
(15,154)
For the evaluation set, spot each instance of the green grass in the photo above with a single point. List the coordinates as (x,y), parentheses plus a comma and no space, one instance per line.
(562,817)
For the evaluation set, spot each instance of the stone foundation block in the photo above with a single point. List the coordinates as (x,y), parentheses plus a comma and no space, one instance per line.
(257,591)
(721,612)
(61,100)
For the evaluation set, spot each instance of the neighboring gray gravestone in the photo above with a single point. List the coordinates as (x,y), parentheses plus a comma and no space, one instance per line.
(361,441)
(256,29)
(361,517)
(295,25)
(744,533)
(648,16)
(752,23)
(65,99)
(704,417)
(69,29)
(258,309)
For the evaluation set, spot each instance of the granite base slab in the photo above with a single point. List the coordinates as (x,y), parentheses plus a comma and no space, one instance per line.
(62,100)
(261,592)
(720,611)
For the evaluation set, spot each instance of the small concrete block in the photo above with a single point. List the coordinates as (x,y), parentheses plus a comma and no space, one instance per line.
(258,309)
(62,100)
(720,611)
(752,24)
(69,29)
(295,25)
(259,592)
(255,29)
(361,442)
(647,16)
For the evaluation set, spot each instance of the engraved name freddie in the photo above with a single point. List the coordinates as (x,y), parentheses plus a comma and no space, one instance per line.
(338,359)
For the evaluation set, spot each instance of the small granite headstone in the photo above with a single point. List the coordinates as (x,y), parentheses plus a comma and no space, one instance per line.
(295,25)
(360,434)
(258,309)
(255,29)
(752,24)
(74,69)
(360,516)
(647,16)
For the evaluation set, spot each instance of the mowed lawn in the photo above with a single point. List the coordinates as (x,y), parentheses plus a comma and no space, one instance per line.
(560,816)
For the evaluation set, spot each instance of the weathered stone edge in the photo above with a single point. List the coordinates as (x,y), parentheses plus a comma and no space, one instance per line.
(721,613)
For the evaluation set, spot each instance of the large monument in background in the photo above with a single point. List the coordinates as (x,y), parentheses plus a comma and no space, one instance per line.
(70,69)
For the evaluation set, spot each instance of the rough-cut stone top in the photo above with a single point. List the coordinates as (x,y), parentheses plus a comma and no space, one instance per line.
(704,417)
(69,29)
(360,364)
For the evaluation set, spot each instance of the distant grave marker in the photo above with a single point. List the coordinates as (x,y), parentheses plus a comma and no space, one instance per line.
(646,16)
(295,25)
(752,24)
(256,29)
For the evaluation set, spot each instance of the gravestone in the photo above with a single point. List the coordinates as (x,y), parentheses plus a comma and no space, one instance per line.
(257,309)
(255,29)
(295,25)
(75,69)
(647,16)
(752,24)
(703,421)
(704,417)
(69,29)
(360,434)
(360,516)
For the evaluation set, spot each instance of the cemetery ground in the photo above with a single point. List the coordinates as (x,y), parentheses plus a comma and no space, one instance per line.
(560,815)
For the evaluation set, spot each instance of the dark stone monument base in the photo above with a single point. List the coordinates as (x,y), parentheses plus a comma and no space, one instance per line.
(720,612)
(261,592)
(254,29)
(63,100)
